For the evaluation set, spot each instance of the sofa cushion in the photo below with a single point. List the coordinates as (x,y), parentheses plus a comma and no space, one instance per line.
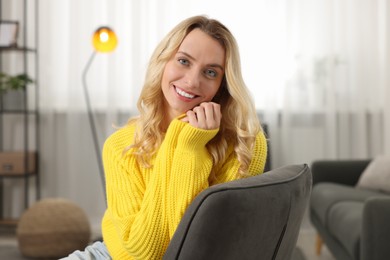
(377,175)
(344,223)
(325,195)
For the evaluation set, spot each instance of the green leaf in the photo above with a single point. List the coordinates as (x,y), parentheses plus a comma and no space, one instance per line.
(8,82)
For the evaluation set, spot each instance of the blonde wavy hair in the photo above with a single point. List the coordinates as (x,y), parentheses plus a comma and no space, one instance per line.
(239,125)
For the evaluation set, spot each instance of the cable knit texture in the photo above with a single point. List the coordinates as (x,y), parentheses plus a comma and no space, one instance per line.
(145,205)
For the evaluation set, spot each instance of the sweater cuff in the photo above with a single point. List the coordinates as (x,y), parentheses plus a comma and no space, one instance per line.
(193,138)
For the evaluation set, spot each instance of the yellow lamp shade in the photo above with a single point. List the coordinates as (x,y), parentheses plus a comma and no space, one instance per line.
(104,39)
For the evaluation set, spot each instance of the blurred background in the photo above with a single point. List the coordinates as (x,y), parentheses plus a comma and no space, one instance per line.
(318,71)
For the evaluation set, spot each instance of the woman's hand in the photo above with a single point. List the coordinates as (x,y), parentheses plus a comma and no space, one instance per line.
(205,116)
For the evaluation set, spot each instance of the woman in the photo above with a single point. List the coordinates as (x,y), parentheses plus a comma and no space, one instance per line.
(197,127)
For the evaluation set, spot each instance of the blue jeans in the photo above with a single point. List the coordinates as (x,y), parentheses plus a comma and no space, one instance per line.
(96,251)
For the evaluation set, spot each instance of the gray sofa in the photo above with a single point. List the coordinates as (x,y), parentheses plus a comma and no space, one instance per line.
(354,223)
(252,218)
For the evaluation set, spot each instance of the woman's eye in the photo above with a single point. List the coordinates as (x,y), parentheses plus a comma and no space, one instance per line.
(184,61)
(211,73)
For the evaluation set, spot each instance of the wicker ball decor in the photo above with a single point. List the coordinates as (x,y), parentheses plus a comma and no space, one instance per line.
(52,228)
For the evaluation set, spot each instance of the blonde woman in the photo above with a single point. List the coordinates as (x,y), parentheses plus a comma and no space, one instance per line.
(197,127)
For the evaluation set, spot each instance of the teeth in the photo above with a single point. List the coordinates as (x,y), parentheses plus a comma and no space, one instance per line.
(184,94)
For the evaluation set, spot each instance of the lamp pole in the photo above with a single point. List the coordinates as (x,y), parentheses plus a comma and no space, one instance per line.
(92,123)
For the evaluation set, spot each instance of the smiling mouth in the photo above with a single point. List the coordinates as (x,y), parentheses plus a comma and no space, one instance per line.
(184,94)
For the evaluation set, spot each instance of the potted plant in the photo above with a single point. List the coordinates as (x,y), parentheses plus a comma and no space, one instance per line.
(11,88)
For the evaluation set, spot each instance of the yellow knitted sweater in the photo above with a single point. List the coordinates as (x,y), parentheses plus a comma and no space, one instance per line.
(145,205)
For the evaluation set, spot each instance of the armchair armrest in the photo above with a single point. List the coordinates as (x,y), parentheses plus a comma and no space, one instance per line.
(375,235)
(339,171)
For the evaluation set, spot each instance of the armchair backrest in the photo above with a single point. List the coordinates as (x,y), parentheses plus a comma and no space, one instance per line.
(253,218)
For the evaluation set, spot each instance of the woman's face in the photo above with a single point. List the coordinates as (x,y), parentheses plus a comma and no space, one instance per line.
(194,73)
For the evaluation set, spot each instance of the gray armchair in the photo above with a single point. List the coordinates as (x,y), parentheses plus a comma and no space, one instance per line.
(253,218)
(352,222)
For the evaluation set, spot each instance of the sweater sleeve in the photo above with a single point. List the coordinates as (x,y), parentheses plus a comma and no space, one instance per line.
(191,167)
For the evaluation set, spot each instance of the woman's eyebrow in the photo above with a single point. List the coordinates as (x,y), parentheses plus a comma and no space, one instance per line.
(186,54)
(215,65)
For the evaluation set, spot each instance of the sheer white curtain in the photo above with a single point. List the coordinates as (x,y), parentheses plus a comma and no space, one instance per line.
(317,71)
(335,92)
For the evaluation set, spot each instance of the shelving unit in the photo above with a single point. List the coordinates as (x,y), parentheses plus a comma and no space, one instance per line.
(19,115)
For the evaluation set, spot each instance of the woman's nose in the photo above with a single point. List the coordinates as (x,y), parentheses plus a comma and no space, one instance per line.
(192,79)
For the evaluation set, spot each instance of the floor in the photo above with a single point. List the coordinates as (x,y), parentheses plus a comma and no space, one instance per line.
(306,242)
(8,244)
(307,239)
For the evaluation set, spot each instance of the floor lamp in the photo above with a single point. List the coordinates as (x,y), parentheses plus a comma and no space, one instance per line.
(103,40)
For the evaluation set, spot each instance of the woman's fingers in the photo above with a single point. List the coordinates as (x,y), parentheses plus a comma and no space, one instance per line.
(217,113)
(209,112)
(205,116)
(192,120)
